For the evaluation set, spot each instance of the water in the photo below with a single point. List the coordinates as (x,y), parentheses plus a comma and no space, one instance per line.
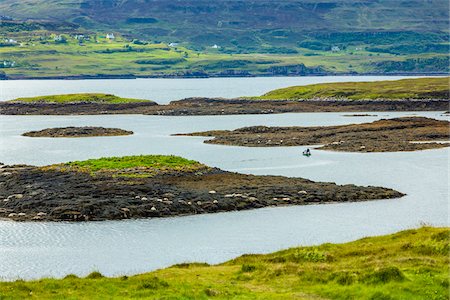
(166,90)
(35,250)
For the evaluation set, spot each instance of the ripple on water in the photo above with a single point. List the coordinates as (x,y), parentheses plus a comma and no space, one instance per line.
(33,250)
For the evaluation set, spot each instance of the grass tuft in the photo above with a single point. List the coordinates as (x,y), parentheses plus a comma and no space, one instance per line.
(153,283)
(385,275)
(95,275)
(246,268)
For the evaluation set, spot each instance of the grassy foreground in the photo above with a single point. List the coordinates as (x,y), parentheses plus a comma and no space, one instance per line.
(77,98)
(412,264)
(421,88)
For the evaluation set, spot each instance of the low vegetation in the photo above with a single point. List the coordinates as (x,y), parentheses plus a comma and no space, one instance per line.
(421,88)
(412,264)
(142,162)
(63,53)
(155,186)
(79,98)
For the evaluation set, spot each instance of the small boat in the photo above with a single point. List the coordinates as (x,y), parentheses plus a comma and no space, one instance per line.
(307,153)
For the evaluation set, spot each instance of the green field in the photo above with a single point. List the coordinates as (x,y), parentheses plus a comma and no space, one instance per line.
(63,38)
(421,88)
(77,98)
(412,264)
(42,57)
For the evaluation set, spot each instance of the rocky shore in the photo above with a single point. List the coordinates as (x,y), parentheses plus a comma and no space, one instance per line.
(78,108)
(218,106)
(386,135)
(73,192)
(85,131)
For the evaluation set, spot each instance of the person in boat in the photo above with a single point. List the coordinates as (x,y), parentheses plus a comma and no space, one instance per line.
(307,152)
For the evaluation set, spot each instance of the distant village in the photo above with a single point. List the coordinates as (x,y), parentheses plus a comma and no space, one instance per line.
(82,38)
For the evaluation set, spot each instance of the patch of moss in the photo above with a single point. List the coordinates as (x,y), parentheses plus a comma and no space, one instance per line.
(126,162)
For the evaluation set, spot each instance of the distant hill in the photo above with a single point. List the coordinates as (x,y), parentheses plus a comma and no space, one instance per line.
(203,38)
(255,26)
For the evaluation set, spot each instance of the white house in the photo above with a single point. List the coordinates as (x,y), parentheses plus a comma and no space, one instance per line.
(215,46)
(335,49)
(110,36)
(9,64)
(173,44)
(58,38)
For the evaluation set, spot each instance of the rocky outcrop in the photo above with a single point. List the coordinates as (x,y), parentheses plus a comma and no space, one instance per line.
(218,106)
(78,132)
(29,193)
(399,134)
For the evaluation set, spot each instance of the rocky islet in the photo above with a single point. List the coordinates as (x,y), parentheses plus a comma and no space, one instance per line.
(67,193)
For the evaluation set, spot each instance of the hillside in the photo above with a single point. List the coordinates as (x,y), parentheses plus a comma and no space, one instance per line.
(422,88)
(248,24)
(220,38)
(412,264)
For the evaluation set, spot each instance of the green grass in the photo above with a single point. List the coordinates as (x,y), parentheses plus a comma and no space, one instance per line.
(377,37)
(126,162)
(139,166)
(75,98)
(422,88)
(38,56)
(412,264)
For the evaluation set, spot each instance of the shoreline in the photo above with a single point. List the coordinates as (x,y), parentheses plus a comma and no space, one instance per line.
(220,106)
(385,135)
(132,76)
(367,262)
(77,132)
(75,192)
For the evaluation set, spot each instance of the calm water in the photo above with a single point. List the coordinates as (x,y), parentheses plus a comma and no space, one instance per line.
(33,250)
(166,90)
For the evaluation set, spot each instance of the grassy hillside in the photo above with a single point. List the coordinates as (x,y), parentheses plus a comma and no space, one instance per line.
(39,54)
(74,98)
(412,264)
(422,88)
(291,37)
(248,24)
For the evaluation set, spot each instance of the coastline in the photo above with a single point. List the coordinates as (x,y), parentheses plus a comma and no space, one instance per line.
(385,135)
(80,191)
(205,76)
(220,106)
(390,265)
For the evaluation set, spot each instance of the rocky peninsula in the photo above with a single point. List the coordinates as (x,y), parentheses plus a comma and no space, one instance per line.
(386,135)
(423,94)
(85,131)
(154,186)
(219,106)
